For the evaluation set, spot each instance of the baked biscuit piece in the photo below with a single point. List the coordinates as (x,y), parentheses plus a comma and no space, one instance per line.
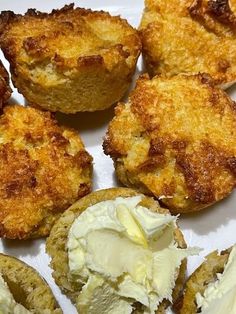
(199,281)
(27,287)
(44,168)
(5,90)
(57,246)
(190,36)
(70,60)
(176,139)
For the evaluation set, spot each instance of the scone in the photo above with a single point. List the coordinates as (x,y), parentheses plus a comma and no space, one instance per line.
(211,288)
(5,90)
(116,251)
(23,290)
(44,168)
(70,60)
(190,36)
(175,139)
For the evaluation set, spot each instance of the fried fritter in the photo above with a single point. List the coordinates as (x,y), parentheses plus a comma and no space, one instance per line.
(190,36)
(44,168)
(70,60)
(197,283)
(176,139)
(27,286)
(5,90)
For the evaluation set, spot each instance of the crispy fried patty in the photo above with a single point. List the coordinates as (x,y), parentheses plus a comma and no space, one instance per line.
(71,59)
(44,168)
(176,139)
(190,36)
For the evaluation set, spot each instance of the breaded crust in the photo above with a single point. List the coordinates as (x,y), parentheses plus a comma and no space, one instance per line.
(5,90)
(199,280)
(44,168)
(176,139)
(190,36)
(71,59)
(27,286)
(57,240)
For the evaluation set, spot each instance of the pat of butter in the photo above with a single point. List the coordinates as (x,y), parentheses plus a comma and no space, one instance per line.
(220,296)
(7,302)
(123,253)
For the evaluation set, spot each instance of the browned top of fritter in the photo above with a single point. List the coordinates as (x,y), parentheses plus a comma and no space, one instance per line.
(5,90)
(191,36)
(176,139)
(68,38)
(43,169)
(205,274)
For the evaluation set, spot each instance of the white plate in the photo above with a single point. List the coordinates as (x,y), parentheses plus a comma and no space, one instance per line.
(212,229)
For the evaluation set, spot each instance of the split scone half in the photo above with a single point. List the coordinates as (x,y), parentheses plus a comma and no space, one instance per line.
(116,251)
(5,90)
(23,290)
(175,139)
(44,168)
(71,59)
(190,36)
(211,289)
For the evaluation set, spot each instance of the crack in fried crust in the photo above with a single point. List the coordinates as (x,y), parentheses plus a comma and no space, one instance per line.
(184,37)
(5,90)
(44,168)
(71,59)
(206,273)
(176,139)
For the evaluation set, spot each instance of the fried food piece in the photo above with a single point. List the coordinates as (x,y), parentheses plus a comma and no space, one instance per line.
(27,286)
(44,168)
(176,139)
(5,90)
(190,36)
(70,60)
(56,244)
(205,274)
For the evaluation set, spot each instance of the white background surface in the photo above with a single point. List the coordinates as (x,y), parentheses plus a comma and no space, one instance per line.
(214,228)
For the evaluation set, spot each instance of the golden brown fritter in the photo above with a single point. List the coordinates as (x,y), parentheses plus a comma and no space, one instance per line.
(27,286)
(70,60)
(56,244)
(206,273)
(44,168)
(190,36)
(5,90)
(176,139)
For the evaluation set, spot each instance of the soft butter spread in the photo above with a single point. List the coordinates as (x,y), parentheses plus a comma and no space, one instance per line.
(7,303)
(220,296)
(123,254)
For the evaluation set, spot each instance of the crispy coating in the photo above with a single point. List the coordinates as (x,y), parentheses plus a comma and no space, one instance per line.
(206,273)
(190,36)
(56,245)
(176,139)
(70,60)
(27,286)
(5,90)
(44,168)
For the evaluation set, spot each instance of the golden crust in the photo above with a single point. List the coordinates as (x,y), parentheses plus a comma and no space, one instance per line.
(56,242)
(5,90)
(27,286)
(44,168)
(70,60)
(176,139)
(199,280)
(183,36)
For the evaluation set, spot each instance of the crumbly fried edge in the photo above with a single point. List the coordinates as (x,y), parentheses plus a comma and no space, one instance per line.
(5,90)
(206,273)
(27,286)
(56,244)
